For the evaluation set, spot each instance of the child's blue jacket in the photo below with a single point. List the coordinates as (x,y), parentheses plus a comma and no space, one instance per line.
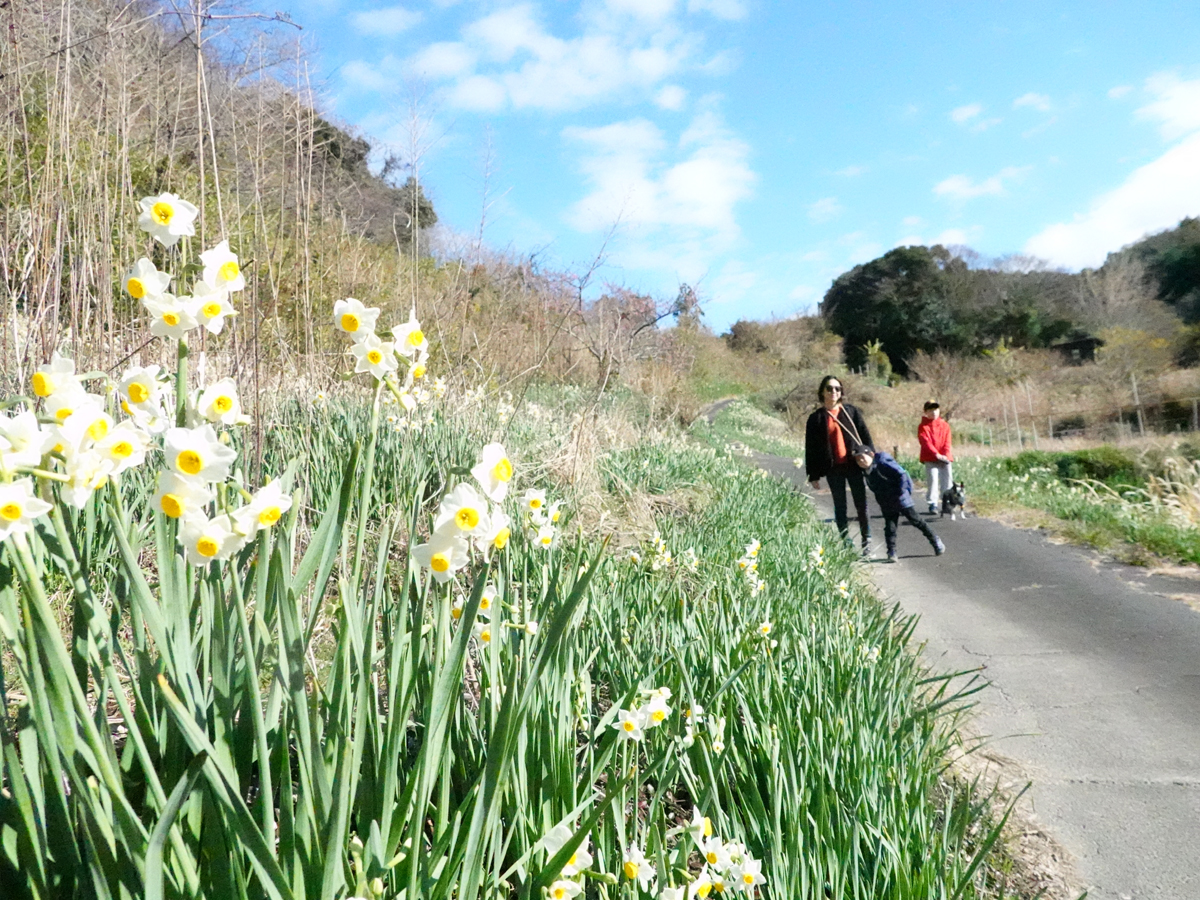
(890,484)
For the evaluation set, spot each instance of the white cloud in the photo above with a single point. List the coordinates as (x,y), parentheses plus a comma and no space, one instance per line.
(1176,105)
(802,292)
(677,200)
(365,76)
(671,97)
(1119,91)
(1040,102)
(951,237)
(1155,196)
(387,22)
(961,187)
(963,114)
(722,9)
(509,59)
(911,240)
(825,209)
(445,59)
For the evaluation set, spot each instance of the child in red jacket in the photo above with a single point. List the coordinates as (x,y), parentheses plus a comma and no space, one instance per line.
(934,436)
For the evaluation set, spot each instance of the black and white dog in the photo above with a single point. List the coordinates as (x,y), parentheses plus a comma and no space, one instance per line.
(954,500)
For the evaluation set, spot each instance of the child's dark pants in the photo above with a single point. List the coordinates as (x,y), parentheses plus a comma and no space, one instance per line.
(891,523)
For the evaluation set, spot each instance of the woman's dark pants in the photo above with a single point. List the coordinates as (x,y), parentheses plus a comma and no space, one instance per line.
(890,524)
(858,491)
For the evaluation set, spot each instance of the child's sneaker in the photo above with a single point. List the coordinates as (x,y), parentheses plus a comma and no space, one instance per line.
(891,557)
(933,509)
(938,547)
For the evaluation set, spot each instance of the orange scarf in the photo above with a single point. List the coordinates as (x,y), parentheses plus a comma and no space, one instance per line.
(837,443)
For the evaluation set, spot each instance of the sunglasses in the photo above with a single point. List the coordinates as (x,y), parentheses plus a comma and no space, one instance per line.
(831,388)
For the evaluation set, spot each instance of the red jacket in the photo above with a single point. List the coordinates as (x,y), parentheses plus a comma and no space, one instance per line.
(934,435)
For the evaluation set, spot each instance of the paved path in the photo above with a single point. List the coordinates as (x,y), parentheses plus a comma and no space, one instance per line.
(1096,687)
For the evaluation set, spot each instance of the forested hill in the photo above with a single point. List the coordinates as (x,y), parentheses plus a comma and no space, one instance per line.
(935,298)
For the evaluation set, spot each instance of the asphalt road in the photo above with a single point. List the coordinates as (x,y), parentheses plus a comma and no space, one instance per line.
(1095,673)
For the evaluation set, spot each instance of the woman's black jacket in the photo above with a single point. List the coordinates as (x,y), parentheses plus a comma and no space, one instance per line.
(817,459)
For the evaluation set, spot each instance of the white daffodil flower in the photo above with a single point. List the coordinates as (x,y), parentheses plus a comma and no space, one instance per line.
(265,508)
(534,500)
(63,405)
(554,512)
(355,319)
(167,218)
(554,841)
(714,852)
(765,628)
(221,270)
(456,609)
(546,537)
(747,875)
(487,599)
(178,496)
(144,280)
(439,388)
(497,535)
(219,403)
(482,632)
(125,446)
(54,376)
(564,889)
(198,453)
(205,539)
(23,442)
(630,724)
(637,868)
(173,317)
(444,555)
(702,885)
(462,512)
(656,712)
(752,548)
(149,417)
(672,893)
(699,829)
(374,355)
(88,471)
(139,386)
(410,339)
(19,506)
(211,307)
(493,472)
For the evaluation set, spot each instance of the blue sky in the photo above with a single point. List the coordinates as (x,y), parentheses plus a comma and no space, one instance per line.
(757,150)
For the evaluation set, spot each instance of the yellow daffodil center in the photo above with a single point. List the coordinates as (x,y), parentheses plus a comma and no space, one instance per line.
(456,613)
(765,629)
(211,309)
(485,603)
(350,322)
(502,471)
(748,878)
(63,414)
(574,856)
(535,503)
(269,516)
(658,715)
(98,429)
(418,371)
(720,886)
(10,512)
(42,385)
(229,271)
(374,357)
(223,404)
(711,856)
(189,462)
(501,539)
(171,318)
(559,893)
(486,635)
(707,821)
(171,505)
(122,449)
(547,540)
(137,290)
(416,337)
(631,870)
(439,562)
(138,392)
(628,725)
(466,518)
(163,213)
(206,546)
(703,890)
(554,518)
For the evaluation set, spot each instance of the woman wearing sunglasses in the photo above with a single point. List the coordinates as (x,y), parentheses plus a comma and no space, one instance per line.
(830,436)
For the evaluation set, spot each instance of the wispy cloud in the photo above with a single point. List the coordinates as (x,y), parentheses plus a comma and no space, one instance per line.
(825,209)
(509,59)
(671,97)
(722,9)
(851,171)
(964,114)
(1040,102)
(387,22)
(1176,104)
(962,187)
(1119,91)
